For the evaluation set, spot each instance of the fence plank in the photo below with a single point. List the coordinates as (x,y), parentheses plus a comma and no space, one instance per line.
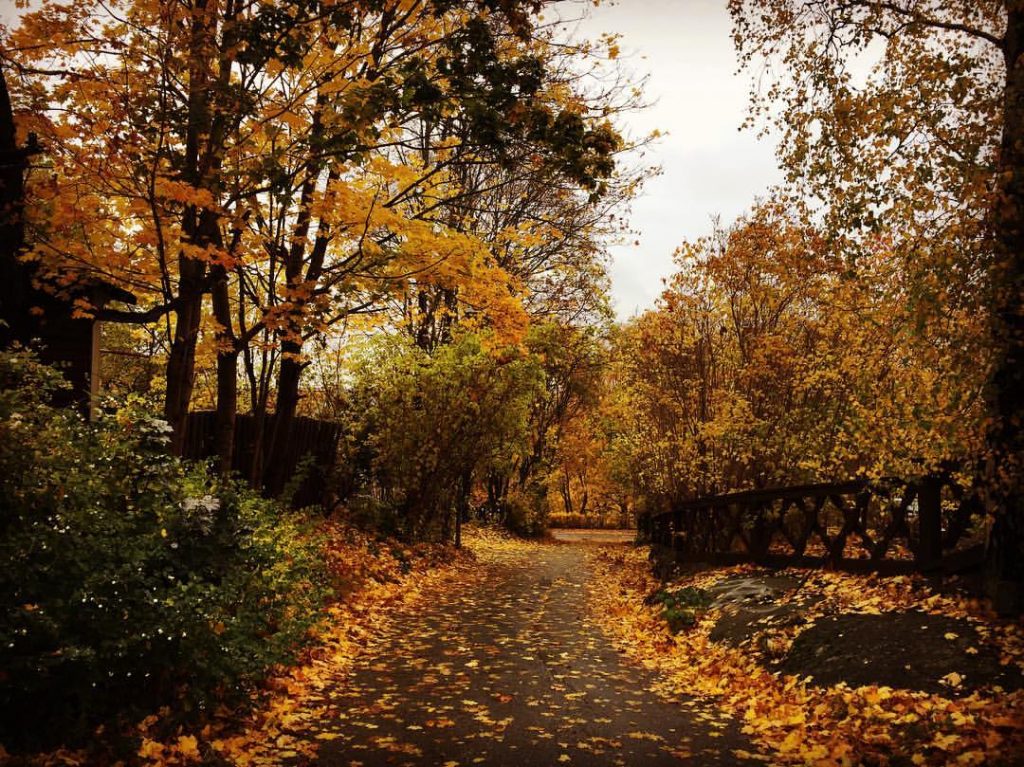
(308,437)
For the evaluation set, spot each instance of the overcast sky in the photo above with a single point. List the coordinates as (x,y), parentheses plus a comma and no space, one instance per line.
(709,166)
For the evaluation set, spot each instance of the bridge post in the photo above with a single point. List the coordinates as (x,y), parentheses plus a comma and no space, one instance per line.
(929,510)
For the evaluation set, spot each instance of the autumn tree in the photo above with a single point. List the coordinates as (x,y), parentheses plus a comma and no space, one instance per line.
(139,105)
(421,426)
(908,118)
(265,167)
(589,483)
(767,362)
(544,224)
(571,360)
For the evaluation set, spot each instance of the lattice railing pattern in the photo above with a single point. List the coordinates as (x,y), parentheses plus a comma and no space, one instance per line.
(895,525)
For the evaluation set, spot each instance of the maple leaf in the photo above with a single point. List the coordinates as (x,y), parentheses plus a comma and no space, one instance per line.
(150,749)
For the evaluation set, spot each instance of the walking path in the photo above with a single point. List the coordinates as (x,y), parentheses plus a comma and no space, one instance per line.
(509,670)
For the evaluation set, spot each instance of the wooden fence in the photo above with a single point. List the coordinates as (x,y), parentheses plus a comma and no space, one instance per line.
(926,525)
(310,440)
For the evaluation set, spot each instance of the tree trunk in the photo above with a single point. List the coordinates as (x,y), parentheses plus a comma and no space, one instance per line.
(227,374)
(181,361)
(199,226)
(1004,475)
(15,280)
(566,490)
(291,346)
(462,506)
(284,415)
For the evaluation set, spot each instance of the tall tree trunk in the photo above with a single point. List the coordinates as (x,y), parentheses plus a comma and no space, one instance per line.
(1005,393)
(284,415)
(204,138)
(15,281)
(181,360)
(292,366)
(566,491)
(227,373)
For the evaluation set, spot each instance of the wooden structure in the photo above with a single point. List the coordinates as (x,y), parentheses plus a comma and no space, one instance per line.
(310,452)
(930,524)
(48,327)
(34,318)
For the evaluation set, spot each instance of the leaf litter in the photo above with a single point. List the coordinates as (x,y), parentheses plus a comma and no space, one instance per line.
(792,717)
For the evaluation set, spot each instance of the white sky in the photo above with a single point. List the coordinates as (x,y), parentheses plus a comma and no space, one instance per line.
(709,166)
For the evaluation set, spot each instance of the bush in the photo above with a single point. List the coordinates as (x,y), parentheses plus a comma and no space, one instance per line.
(130,579)
(421,425)
(682,608)
(526,512)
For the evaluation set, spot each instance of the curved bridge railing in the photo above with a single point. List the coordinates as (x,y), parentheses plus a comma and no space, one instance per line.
(930,524)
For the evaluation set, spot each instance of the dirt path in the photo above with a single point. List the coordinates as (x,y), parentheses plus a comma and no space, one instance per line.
(511,672)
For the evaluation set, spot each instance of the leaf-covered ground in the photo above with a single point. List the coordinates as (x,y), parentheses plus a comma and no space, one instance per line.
(492,659)
(505,666)
(546,653)
(794,720)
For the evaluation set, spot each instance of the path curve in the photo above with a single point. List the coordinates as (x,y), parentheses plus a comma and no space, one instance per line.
(509,670)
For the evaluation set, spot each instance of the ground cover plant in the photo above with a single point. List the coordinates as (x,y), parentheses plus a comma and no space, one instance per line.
(129,576)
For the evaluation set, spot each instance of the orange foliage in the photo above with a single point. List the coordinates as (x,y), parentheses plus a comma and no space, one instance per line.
(797,722)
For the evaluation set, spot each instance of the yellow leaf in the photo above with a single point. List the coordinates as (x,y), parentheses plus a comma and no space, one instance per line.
(150,749)
(188,746)
(953,679)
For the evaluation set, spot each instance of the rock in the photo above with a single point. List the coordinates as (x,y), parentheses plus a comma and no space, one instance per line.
(910,650)
(752,603)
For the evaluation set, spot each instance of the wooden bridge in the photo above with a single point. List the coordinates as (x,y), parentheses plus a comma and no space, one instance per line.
(931,524)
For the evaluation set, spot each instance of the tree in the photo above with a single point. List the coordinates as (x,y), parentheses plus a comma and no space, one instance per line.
(766,363)
(928,147)
(266,167)
(422,426)
(571,360)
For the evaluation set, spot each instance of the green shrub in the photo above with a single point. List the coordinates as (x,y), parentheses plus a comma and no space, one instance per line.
(419,425)
(682,608)
(526,512)
(130,579)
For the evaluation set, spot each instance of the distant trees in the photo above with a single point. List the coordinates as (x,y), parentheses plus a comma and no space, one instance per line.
(768,361)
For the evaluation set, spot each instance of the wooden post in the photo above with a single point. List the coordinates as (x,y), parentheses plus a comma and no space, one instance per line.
(95,373)
(676,541)
(929,511)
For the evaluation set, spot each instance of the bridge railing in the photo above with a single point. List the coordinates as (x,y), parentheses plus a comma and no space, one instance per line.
(927,525)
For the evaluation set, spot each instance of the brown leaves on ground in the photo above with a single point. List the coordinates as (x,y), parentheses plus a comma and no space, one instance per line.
(804,724)
(373,577)
(376,577)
